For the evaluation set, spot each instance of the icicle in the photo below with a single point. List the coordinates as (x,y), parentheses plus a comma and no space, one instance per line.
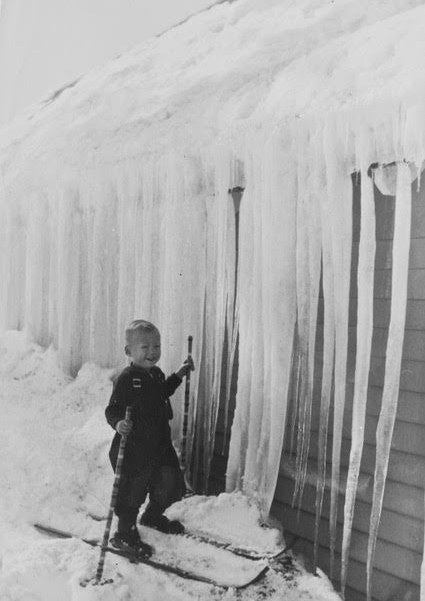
(232,311)
(54,274)
(247,415)
(233,329)
(72,301)
(14,239)
(340,222)
(365,278)
(239,432)
(104,293)
(295,379)
(328,360)
(308,278)
(387,416)
(302,286)
(215,325)
(149,246)
(267,317)
(37,270)
(127,189)
(342,283)
(218,297)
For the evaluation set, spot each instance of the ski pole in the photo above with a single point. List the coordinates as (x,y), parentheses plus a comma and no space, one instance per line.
(186,404)
(114,496)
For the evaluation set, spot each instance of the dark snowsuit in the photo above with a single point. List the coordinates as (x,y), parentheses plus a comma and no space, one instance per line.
(150,461)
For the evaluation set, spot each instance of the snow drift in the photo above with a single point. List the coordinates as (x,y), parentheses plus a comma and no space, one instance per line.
(54,468)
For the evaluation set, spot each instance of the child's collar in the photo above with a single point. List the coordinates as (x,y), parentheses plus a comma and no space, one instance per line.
(142,370)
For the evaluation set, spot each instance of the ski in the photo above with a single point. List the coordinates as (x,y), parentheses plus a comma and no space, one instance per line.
(137,559)
(240,551)
(226,546)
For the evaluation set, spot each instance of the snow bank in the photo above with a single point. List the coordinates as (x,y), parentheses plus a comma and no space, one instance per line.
(54,469)
(52,421)
(228,516)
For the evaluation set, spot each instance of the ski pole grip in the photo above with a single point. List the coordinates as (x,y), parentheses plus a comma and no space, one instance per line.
(189,356)
(186,404)
(124,436)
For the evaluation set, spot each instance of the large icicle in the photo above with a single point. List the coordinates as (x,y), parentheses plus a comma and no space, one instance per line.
(302,330)
(37,271)
(13,261)
(387,416)
(340,221)
(328,358)
(266,299)
(219,294)
(171,272)
(104,275)
(365,279)
(232,313)
(308,255)
(128,186)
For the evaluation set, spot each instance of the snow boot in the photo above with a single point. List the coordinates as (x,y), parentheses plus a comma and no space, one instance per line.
(162,523)
(130,541)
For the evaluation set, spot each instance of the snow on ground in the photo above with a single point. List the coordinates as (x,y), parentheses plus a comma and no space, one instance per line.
(54,469)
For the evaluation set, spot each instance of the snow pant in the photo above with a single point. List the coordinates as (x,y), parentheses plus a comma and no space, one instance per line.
(165,486)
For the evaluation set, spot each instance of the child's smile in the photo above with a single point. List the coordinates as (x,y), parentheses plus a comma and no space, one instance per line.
(145,349)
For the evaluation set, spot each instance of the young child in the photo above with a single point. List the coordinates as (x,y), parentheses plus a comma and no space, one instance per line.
(150,462)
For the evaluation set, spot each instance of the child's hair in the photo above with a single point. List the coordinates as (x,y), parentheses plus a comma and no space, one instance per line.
(136,326)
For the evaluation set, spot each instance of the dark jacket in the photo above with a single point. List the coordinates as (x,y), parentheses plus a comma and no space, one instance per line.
(149,442)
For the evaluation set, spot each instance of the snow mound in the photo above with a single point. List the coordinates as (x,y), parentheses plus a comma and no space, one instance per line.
(230,517)
(54,447)
(54,469)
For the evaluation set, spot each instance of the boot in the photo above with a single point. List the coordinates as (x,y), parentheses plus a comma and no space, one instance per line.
(162,523)
(130,541)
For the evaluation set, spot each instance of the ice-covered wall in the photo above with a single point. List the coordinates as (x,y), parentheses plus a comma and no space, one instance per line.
(114,200)
(76,269)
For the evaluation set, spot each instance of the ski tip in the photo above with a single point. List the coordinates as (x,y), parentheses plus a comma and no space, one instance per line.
(51,531)
(97,518)
(256,578)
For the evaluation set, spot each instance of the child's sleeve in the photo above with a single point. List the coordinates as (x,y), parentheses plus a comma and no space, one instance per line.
(171,384)
(115,411)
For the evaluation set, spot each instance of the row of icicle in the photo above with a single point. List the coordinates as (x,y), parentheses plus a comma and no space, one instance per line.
(158,242)
(79,261)
(336,211)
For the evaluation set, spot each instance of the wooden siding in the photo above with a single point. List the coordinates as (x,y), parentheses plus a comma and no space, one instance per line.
(400,543)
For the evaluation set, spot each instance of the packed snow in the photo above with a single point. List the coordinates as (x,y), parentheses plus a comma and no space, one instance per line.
(54,470)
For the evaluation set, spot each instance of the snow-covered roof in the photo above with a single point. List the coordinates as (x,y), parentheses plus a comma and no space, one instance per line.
(235,69)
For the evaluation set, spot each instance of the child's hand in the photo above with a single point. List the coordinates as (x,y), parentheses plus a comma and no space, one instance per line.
(124,426)
(184,369)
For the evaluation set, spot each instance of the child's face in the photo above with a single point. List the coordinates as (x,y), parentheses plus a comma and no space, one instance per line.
(144,349)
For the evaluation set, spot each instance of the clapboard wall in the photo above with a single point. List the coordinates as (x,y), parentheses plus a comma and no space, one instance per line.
(399,549)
